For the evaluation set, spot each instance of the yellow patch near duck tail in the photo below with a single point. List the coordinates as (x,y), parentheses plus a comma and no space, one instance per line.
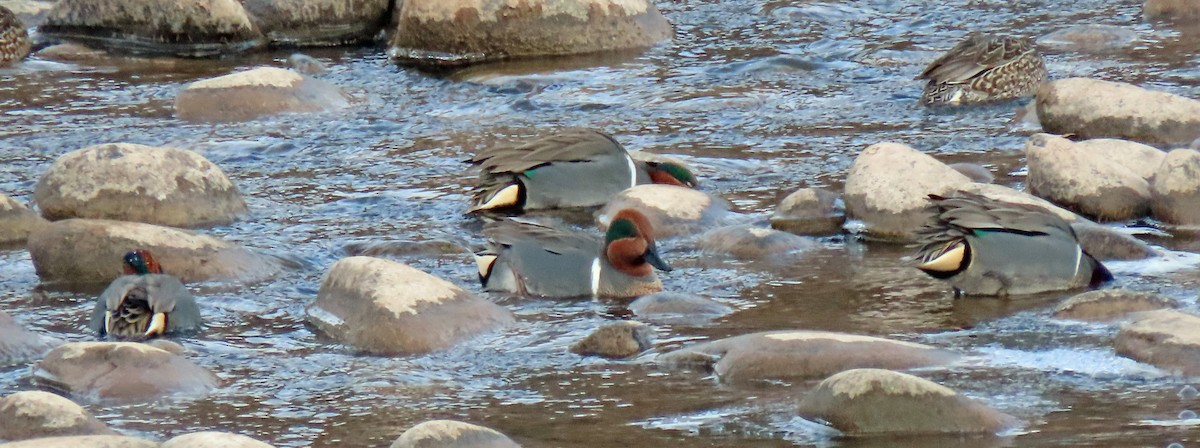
(509,196)
(484,264)
(107,322)
(949,259)
(158,325)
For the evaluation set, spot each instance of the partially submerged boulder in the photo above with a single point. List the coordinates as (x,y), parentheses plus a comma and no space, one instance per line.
(616,340)
(810,211)
(84,442)
(1094,185)
(888,187)
(384,307)
(1090,37)
(213,439)
(671,210)
(1168,339)
(749,242)
(1105,243)
(1175,190)
(1090,108)
(34,413)
(671,307)
(123,372)
(16,221)
(452,434)
(187,28)
(255,93)
(318,22)
(18,344)
(1109,304)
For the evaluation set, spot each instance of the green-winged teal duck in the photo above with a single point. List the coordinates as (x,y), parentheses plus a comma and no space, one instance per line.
(144,303)
(984,68)
(987,247)
(574,168)
(14,41)
(532,259)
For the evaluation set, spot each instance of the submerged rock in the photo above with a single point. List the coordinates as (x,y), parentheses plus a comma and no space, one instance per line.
(873,402)
(90,251)
(1096,186)
(187,28)
(457,32)
(1090,38)
(16,221)
(318,22)
(1109,304)
(748,242)
(213,439)
(1090,108)
(616,340)
(801,355)
(1171,8)
(84,442)
(671,210)
(255,93)
(810,211)
(128,182)
(1176,188)
(888,186)
(1166,338)
(306,65)
(18,344)
(665,306)
(975,172)
(452,434)
(1105,243)
(124,372)
(383,307)
(32,414)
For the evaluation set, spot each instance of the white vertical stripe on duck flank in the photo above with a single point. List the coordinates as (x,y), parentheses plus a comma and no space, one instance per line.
(632,170)
(596,276)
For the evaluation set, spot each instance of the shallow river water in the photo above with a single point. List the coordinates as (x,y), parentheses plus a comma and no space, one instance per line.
(761,98)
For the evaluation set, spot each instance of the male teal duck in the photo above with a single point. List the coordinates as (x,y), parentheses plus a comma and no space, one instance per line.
(532,259)
(573,168)
(984,68)
(987,247)
(144,303)
(14,41)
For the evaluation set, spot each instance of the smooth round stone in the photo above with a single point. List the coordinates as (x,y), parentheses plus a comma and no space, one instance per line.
(1171,9)
(875,402)
(975,172)
(671,210)
(90,251)
(256,93)
(384,307)
(1110,304)
(1176,188)
(457,32)
(452,434)
(668,307)
(616,340)
(18,344)
(1090,108)
(888,188)
(801,354)
(32,414)
(810,211)
(749,242)
(213,439)
(187,28)
(16,221)
(71,52)
(1105,243)
(1093,185)
(317,22)
(128,182)
(84,442)
(1090,38)
(123,372)
(1168,339)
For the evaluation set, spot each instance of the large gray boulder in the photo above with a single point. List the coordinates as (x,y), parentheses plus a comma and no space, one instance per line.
(31,414)
(875,402)
(18,344)
(213,439)
(318,22)
(128,182)
(1143,160)
(801,354)
(1168,339)
(83,442)
(256,93)
(121,372)
(16,221)
(187,28)
(671,210)
(1096,186)
(452,434)
(456,32)
(384,307)
(1175,190)
(1090,108)
(90,251)
(888,187)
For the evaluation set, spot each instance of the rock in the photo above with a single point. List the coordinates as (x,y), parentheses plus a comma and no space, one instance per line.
(452,434)
(1166,338)
(18,345)
(128,182)
(1171,9)
(872,401)
(888,187)
(1090,108)
(1175,190)
(186,28)
(71,52)
(383,307)
(16,221)
(1095,186)
(802,354)
(975,172)
(457,32)
(255,93)
(616,340)
(1006,194)
(83,442)
(318,22)
(748,242)
(32,414)
(124,372)
(213,439)
(1143,160)
(1105,243)
(1090,38)
(1109,304)
(672,210)
(90,251)
(669,307)
(810,211)
(306,65)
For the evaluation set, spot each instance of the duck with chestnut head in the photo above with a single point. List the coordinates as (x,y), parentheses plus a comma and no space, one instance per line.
(144,303)
(537,260)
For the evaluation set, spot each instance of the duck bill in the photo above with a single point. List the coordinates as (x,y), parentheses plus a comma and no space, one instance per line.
(158,325)
(651,256)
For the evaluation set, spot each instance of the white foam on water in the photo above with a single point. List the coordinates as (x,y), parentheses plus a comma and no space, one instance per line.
(1093,363)
(1168,262)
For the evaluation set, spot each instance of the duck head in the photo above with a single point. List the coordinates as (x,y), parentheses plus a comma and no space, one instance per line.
(140,262)
(671,173)
(629,245)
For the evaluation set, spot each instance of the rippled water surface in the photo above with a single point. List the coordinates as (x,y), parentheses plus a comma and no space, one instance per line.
(761,97)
